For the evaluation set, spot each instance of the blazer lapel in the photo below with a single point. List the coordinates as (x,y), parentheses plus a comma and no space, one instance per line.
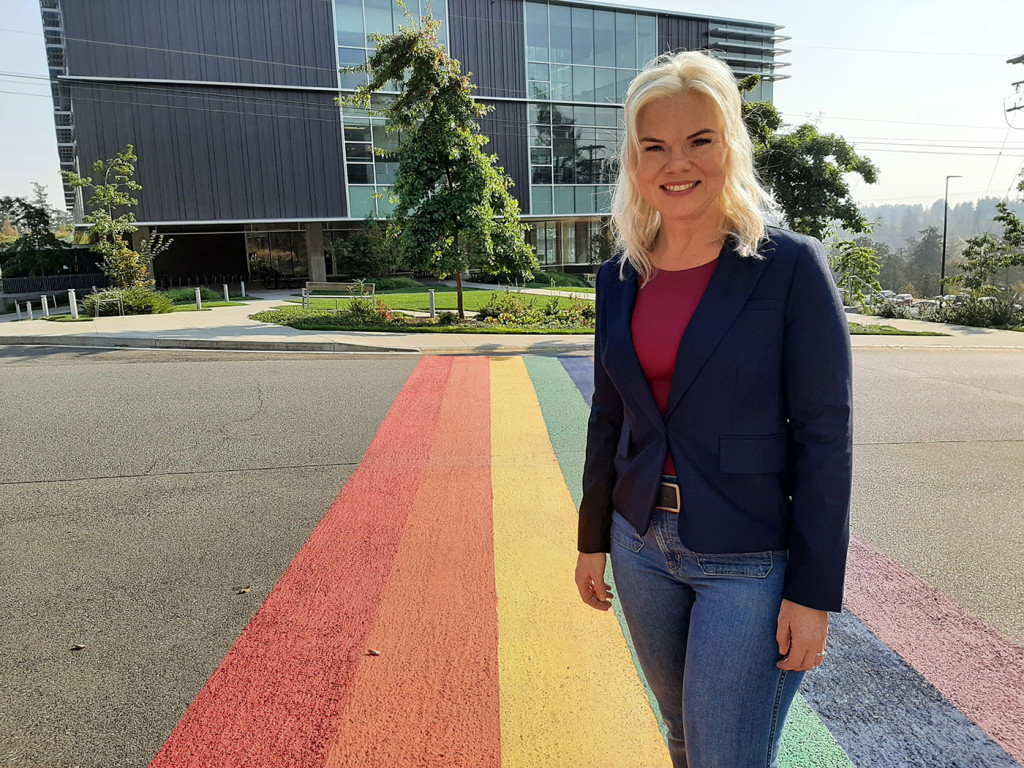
(732,283)
(628,364)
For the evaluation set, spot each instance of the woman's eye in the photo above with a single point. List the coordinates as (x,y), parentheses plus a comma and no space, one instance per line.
(652,148)
(701,142)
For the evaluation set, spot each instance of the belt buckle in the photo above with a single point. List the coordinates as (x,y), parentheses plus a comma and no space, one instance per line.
(678,505)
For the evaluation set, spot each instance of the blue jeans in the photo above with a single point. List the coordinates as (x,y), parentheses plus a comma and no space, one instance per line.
(703,627)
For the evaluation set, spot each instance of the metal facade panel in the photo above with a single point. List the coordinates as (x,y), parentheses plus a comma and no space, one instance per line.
(682,33)
(237,41)
(506,127)
(489,40)
(219,153)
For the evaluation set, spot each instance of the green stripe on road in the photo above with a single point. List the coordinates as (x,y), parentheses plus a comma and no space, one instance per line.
(806,742)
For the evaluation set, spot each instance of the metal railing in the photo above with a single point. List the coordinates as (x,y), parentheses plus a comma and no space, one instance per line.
(49,283)
(847,283)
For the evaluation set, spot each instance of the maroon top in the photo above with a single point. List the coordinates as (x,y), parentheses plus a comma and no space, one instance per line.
(663,309)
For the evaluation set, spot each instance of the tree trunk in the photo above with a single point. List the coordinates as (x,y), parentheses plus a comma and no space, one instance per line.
(458,287)
(458,277)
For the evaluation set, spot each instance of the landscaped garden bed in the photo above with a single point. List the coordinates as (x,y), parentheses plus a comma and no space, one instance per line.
(495,312)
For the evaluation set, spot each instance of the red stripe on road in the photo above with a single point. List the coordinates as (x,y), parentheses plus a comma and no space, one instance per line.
(969,662)
(431,697)
(276,699)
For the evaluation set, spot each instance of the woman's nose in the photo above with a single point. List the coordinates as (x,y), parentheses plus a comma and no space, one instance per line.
(679,159)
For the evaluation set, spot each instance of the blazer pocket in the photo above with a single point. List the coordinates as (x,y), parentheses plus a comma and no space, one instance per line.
(759,304)
(764,454)
(623,449)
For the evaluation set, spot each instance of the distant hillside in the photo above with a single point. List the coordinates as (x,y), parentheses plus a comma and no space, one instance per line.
(894,225)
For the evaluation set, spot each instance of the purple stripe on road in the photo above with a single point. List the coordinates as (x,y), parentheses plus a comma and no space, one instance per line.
(886,715)
(974,666)
(581,371)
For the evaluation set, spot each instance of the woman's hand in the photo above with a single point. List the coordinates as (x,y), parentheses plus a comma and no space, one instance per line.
(590,581)
(802,635)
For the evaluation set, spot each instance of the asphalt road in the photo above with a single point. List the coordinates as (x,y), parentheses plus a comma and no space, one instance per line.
(140,490)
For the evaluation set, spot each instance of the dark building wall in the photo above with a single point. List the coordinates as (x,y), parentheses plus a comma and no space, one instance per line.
(218,153)
(115,38)
(488,38)
(207,256)
(506,128)
(677,33)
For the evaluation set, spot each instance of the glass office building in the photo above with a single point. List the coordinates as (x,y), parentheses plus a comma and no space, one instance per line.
(246,159)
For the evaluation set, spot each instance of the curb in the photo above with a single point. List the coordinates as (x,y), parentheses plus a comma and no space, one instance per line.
(212,344)
(127,342)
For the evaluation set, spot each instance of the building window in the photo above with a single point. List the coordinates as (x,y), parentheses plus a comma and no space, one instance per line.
(573,156)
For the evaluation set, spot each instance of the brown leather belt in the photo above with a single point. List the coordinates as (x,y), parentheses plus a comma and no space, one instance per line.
(669,498)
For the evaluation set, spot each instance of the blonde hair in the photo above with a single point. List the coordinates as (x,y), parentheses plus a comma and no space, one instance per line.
(743,199)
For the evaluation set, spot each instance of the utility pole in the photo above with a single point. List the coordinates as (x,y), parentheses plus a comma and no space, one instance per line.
(1018,88)
(945,211)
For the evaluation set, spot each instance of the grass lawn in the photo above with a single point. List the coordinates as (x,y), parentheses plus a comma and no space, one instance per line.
(857,329)
(565,288)
(208,305)
(446,298)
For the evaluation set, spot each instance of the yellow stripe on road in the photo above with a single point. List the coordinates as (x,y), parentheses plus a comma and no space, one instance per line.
(570,695)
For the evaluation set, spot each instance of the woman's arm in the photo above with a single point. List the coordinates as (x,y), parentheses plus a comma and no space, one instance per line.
(603,431)
(818,389)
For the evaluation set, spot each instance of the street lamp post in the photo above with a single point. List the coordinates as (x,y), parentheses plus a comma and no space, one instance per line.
(945,212)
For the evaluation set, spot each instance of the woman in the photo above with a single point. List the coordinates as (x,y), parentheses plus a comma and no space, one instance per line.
(718,460)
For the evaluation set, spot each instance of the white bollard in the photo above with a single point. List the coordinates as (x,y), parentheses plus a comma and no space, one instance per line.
(243,289)
(199,299)
(17,308)
(45,305)
(226,292)
(433,306)
(28,308)
(73,303)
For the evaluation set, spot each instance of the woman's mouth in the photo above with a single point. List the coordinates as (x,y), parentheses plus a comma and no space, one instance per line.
(682,187)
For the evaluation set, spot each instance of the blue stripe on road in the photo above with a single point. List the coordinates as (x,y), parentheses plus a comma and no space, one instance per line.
(884,714)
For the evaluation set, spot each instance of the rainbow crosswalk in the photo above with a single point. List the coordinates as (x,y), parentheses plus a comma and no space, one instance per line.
(431,619)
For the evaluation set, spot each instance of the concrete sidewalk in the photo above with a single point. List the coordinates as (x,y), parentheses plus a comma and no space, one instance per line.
(230,328)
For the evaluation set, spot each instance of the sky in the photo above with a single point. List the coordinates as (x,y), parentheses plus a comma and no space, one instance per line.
(919,87)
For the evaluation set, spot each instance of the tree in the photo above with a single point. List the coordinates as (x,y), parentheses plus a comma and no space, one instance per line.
(453,210)
(924,261)
(125,268)
(32,248)
(805,170)
(985,255)
(851,258)
(366,252)
(63,221)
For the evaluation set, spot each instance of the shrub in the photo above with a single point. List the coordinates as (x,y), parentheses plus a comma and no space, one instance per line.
(973,311)
(508,305)
(508,308)
(447,318)
(890,309)
(188,295)
(393,283)
(136,301)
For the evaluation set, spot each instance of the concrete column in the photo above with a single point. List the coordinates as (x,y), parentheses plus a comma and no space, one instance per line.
(315,251)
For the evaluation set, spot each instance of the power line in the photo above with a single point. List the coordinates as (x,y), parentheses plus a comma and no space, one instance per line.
(811,116)
(926,152)
(893,50)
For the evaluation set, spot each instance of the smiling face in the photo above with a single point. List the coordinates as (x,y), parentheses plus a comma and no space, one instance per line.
(680,169)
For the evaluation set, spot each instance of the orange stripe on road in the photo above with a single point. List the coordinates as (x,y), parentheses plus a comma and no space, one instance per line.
(431,697)
(276,699)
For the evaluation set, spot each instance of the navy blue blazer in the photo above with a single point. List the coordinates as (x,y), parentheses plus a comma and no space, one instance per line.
(759,417)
